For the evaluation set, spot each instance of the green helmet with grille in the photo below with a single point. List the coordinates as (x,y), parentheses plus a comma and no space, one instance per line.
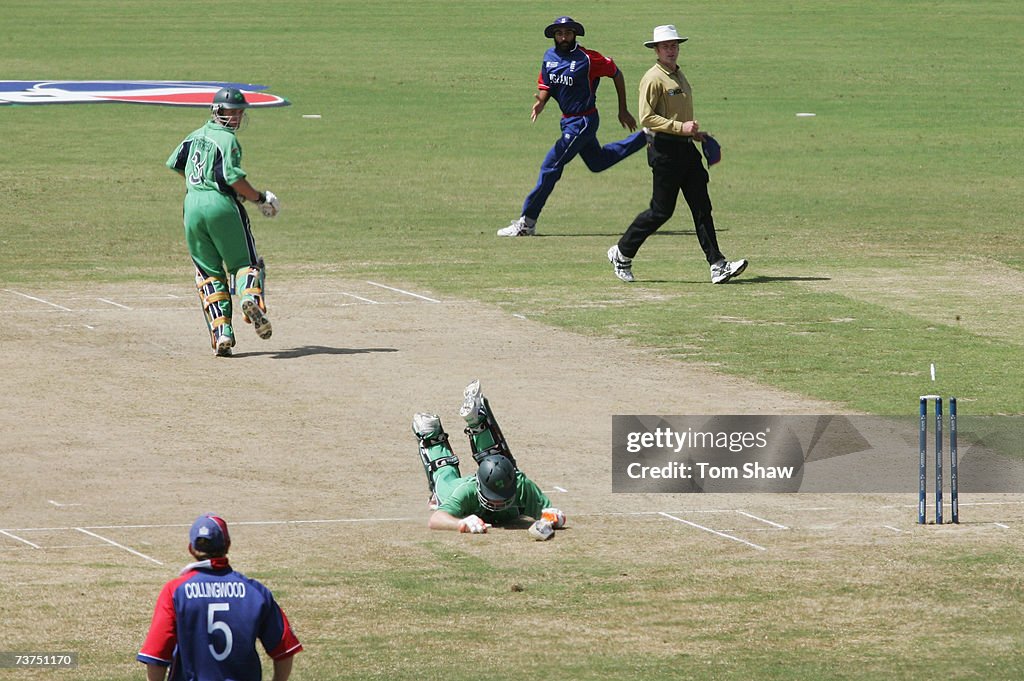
(496,482)
(230,98)
(227,99)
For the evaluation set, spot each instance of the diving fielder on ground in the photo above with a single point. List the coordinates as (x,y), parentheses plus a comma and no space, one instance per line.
(498,494)
(216,224)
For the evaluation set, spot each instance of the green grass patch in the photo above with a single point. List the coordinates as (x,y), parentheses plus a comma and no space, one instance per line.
(421,155)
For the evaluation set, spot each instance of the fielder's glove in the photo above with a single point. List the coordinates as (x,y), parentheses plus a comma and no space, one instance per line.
(473,524)
(553,516)
(268,203)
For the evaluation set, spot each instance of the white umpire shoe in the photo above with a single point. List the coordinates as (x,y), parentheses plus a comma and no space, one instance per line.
(724,270)
(253,313)
(623,265)
(522,226)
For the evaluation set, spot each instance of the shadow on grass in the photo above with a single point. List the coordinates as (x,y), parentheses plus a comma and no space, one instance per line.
(742,280)
(767,279)
(616,235)
(308,350)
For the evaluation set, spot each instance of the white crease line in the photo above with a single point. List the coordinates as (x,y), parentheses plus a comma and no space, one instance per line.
(1005,527)
(398,290)
(365,300)
(85,310)
(708,529)
(894,529)
(120,546)
(233,523)
(54,547)
(24,541)
(628,513)
(325,521)
(763,520)
(111,302)
(962,504)
(60,505)
(561,489)
(38,300)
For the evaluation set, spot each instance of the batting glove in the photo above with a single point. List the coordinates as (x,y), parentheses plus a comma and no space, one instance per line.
(553,516)
(268,203)
(473,525)
(541,530)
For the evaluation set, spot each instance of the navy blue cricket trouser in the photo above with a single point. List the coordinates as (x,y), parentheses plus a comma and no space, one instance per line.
(579,138)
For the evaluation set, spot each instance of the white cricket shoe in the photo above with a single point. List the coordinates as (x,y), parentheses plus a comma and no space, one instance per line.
(424,425)
(623,266)
(472,409)
(253,313)
(223,344)
(521,226)
(724,270)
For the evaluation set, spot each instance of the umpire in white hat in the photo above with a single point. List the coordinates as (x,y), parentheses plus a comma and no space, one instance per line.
(666,113)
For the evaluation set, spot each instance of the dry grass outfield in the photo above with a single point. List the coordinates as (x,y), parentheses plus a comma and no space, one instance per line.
(973,294)
(119,426)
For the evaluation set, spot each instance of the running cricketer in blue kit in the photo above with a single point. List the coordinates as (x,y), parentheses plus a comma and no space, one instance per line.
(570,74)
(207,621)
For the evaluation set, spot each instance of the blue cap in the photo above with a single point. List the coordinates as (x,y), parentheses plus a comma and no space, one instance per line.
(712,149)
(209,534)
(563,22)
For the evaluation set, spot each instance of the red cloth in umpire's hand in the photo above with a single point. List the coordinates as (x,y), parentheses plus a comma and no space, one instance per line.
(712,149)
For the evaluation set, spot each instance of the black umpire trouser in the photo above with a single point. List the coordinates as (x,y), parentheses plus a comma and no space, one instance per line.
(677,166)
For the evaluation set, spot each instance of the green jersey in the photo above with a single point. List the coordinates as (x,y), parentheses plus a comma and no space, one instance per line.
(462,501)
(210,158)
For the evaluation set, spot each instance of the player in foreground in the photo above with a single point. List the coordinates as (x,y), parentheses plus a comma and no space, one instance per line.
(216,224)
(666,113)
(497,494)
(207,621)
(570,74)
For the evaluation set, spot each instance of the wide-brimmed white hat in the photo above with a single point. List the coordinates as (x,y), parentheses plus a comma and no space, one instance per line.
(663,34)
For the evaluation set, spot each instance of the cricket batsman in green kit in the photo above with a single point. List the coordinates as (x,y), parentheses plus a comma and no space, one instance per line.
(217,228)
(497,494)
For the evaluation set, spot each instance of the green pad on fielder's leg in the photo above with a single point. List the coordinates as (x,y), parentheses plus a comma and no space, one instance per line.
(216,302)
(439,461)
(485,436)
(249,282)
